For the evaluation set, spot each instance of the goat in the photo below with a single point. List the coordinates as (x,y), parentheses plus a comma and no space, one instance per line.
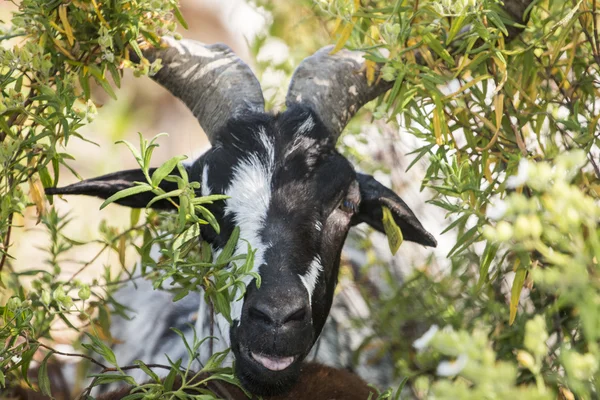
(315,382)
(292,195)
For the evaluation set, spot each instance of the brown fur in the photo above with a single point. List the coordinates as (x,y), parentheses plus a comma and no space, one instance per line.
(316,382)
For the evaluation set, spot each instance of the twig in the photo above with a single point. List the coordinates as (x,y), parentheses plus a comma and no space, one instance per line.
(85,394)
(6,242)
(72,354)
(106,246)
(596,168)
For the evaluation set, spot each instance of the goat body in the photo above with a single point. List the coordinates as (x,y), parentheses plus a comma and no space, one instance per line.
(316,382)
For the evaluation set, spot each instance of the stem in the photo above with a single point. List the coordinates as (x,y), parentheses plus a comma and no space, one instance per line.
(6,242)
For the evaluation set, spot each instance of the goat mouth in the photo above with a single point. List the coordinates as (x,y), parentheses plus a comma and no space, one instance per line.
(273,363)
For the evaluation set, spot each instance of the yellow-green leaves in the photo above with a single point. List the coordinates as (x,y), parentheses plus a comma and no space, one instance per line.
(392,230)
(517,287)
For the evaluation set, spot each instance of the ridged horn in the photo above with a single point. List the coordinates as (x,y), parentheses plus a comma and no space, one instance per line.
(211,80)
(335,86)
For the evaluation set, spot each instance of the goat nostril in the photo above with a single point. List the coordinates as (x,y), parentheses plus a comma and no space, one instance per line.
(299,315)
(259,315)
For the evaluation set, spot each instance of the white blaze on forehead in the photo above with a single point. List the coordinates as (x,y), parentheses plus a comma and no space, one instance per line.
(250,195)
(205,189)
(309,279)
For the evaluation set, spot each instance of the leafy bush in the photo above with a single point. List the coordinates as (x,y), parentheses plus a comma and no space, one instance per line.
(507,118)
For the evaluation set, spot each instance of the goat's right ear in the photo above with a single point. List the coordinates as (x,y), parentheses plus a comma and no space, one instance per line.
(373,196)
(106,185)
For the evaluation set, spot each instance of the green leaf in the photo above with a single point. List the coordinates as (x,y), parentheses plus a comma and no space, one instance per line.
(209,217)
(515,292)
(134,216)
(437,47)
(488,256)
(2,379)
(43,380)
(178,15)
(136,48)
(209,199)
(190,233)
(99,347)
(26,358)
(147,370)
(392,230)
(84,82)
(230,246)
(161,172)
(115,74)
(133,151)
(170,379)
(163,196)
(144,187)
(99,77)
(110,378)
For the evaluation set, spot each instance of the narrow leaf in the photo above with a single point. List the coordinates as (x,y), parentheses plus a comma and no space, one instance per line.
(43,380)
(161,172)
(392,230)
(126,192)
(515,292)
(230,246)
(344,36)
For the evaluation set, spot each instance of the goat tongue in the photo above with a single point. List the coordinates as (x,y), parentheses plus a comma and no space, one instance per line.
(273,363)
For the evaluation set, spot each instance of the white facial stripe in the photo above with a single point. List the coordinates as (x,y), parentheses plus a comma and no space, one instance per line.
(205,189)
(250,195)
(309,280)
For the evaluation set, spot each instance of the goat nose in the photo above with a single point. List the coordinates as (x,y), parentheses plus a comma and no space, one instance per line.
(278,313)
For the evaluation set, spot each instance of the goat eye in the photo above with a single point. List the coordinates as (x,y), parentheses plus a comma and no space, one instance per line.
(348,206)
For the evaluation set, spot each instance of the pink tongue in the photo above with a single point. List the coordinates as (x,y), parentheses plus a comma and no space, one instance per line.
(273,363)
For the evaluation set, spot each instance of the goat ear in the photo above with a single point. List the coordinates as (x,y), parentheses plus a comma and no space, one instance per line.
(106,185)
(373,196)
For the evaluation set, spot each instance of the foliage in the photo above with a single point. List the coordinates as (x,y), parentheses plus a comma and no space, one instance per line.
(507,118)
(509,125)
(45,100)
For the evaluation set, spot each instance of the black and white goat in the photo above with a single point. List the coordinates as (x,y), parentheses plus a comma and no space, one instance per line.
(293,196)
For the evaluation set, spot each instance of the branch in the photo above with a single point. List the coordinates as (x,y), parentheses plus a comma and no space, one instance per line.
(6,242)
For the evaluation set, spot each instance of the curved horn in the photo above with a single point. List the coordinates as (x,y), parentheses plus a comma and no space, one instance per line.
(334,86)
(210,79)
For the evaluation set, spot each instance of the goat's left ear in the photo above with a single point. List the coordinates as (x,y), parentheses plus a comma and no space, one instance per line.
(373,196)
(107,185)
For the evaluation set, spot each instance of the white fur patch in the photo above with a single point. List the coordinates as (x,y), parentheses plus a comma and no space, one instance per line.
(309,280)
(250,195)
(205,189)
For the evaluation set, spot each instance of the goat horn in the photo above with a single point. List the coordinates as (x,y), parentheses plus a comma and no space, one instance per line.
(335,86)
(211,80)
